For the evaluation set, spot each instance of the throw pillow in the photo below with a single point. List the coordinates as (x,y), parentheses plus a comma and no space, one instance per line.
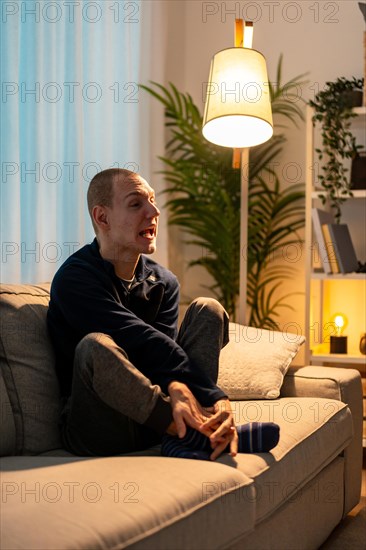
(255,361)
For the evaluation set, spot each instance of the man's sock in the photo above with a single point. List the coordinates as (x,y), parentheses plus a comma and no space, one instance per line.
(254,437)
(258,437)
(193,445)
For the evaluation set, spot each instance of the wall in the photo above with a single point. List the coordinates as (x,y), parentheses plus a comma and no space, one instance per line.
(164,59)
(322,39)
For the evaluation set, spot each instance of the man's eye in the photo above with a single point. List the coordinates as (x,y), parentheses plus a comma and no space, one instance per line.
(135,204)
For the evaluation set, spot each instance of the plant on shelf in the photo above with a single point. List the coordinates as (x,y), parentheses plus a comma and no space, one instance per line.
(204,198)
(333,110)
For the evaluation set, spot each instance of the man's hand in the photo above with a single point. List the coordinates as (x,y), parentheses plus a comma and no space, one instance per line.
(222,429)
(186,410)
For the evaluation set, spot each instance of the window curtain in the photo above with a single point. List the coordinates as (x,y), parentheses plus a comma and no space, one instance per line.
(70,107)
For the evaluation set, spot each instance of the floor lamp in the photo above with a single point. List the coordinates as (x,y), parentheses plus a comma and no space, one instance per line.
(238,114)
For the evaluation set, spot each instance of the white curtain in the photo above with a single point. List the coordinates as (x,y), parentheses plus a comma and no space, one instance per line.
(70,107)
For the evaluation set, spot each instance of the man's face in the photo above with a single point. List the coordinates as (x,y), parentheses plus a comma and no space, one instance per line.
(133,218)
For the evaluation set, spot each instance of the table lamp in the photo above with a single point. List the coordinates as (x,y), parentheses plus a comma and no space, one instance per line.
(338,342)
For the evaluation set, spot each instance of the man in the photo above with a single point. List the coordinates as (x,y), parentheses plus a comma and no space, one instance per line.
(127,378)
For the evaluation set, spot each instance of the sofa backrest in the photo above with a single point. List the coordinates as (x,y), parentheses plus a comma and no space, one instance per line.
(29,391)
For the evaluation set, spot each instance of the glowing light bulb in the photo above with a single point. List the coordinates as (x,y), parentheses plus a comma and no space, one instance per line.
(339,322)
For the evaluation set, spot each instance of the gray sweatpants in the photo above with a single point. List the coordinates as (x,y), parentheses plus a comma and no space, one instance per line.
(113,407)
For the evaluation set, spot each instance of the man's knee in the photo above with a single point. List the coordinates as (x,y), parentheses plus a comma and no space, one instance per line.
(209,304)
(210,316)
(95,343)
(92,341)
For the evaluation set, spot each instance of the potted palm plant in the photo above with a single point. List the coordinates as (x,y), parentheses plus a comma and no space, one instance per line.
(204,199)
(333,110)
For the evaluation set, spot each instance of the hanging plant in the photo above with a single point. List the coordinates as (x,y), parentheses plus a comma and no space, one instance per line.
(333,110)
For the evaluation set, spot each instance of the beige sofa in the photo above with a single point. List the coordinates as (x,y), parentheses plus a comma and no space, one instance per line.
(292,497)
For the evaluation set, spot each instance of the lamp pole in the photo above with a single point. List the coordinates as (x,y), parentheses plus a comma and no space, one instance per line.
(243,266)
(243,37)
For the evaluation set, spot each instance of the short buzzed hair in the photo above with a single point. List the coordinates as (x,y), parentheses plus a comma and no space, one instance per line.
(100,191)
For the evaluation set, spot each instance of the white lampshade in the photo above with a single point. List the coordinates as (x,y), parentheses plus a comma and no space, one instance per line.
(238,107)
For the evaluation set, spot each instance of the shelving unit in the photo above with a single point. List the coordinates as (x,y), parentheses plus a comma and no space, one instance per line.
(357,193)
(326,294)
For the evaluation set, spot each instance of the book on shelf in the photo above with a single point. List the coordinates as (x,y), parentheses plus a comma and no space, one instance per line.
(330,248)
(321,217)
(341,252)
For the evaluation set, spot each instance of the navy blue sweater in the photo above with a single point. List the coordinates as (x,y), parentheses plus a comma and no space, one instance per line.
(87,296)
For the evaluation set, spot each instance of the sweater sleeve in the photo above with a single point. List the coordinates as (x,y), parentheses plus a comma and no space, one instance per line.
(167,319)
(88,304)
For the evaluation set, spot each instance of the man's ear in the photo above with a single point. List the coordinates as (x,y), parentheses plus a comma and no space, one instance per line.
(100,217)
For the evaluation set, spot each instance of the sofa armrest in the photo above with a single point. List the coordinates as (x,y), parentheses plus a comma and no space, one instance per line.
(332,382)
(344,385)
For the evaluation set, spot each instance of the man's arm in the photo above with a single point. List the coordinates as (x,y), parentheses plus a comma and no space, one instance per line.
(220,426)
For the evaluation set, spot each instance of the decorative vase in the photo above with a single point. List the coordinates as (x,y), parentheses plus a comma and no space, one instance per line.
(363,344)
(353,98)
(358,171)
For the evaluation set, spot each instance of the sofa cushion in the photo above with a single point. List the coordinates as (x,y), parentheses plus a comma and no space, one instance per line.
(27,367)
(115,502)
(255,361)
(313,432)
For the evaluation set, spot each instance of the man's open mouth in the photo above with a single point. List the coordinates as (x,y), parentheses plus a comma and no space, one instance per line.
(149,232)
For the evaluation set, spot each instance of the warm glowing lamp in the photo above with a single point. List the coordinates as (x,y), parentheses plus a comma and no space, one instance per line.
(238,107)
(238,114)
(338,342)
